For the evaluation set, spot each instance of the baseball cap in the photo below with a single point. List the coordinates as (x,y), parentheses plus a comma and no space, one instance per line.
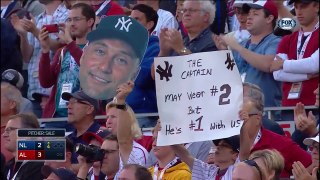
(37,96)
(62,173)
(99,136)
(309,141)
(239,3)
(268,5)
(233,141)
(123,28)
(80,95)
(302,1)
(13,77)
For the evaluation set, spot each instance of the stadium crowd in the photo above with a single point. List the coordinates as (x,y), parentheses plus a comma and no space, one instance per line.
(47,46)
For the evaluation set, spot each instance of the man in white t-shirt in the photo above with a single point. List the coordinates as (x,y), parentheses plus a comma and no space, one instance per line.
(166,19)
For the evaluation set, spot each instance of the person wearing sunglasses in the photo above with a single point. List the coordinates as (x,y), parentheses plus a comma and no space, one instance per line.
(262,165)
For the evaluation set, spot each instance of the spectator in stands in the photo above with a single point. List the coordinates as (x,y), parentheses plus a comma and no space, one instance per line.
(197,16)
(168,166)
(143,98)
(306,125)
(11,57)
(15,78)
(43,98)
(112,56)
(121,121)
(81,114)
(166,19)
(299,171)
(225,157)
(262,164)
(24,170)
(135,172)
(57,173)
(255,55)
(62,72)
(260,138)
(253,91)
(10,105)
(199,150)
(97,140)
(66,164)
(30,46)
(110,163)
(298,87)
(240,33)
(179,14)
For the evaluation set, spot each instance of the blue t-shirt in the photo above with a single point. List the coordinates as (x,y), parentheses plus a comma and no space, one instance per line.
(270,87)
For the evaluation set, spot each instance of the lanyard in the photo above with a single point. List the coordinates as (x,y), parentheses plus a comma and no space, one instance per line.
(14,176)
(301,50)
(256,140)
(102,7)
(156,169)
(249,42)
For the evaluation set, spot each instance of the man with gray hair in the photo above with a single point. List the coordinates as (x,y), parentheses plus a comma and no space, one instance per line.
(253,91)
(14,78)
(10,105)
(196,18)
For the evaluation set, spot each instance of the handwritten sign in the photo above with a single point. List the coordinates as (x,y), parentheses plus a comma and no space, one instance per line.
(199,97)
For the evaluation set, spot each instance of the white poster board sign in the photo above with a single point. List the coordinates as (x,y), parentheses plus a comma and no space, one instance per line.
(199,97)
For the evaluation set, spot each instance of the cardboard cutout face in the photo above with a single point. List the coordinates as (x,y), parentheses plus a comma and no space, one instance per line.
(112,56)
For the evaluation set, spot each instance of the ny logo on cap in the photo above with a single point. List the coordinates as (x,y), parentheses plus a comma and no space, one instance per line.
(9,76)
(125,24)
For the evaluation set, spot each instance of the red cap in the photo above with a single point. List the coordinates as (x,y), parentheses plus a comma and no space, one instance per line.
(99,136)
(268,5)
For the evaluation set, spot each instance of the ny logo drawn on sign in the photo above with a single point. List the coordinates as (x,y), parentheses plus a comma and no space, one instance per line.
(125,24)
(230,62)
(165,72)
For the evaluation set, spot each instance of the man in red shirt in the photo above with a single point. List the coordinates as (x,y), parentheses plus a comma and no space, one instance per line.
(105,8)
(261,138)
(300,44)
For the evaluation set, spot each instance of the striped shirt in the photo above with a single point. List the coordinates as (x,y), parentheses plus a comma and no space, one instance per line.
(138,155)
(60,15)
(204,171)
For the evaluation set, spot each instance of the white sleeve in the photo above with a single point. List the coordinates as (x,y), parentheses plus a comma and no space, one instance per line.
(202,170)
(306,65)
(280,75)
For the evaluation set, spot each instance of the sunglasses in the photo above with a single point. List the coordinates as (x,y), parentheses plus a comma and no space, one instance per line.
(252,163)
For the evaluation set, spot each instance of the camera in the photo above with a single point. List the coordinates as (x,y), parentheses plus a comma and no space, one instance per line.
(91,152)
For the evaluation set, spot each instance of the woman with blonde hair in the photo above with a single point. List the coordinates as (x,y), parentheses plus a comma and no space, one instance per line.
(121,121)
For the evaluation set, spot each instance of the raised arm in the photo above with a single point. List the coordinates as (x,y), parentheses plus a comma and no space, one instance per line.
(124,133)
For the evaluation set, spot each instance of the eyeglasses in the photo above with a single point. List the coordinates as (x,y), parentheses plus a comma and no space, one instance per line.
(190,10)
(75,19)
(252,163)
(9,129)
(72,101)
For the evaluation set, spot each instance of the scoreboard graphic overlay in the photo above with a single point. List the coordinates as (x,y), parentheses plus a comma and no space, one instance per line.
(41,145)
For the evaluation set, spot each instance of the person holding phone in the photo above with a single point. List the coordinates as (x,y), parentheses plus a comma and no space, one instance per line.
(63,72)
(28,30)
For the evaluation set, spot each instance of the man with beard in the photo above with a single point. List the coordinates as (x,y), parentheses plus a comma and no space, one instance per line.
(62,74)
